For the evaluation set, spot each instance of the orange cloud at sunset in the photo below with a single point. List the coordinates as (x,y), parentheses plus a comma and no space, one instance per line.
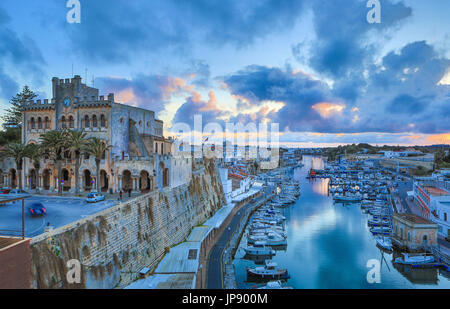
(443,138)
(326,109)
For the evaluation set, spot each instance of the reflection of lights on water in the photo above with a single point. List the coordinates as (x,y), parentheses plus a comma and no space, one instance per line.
(315,223)
(320,186)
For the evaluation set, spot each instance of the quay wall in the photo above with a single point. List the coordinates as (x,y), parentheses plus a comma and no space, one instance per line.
(115,244)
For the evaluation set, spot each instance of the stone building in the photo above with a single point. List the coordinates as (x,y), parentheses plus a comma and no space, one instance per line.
(140,158)
(413,232)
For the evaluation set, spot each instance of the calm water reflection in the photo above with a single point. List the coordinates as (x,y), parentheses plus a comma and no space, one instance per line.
(329,245)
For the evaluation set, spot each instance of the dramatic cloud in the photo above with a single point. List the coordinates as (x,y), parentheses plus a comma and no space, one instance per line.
(147,91)
(18,57)
(195,105)
(117,31)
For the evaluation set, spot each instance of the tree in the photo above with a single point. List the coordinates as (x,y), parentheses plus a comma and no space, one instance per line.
(439,156)
(13,116)
(34,153)
(54,144)
(18,152)
(97,147)
(77,144)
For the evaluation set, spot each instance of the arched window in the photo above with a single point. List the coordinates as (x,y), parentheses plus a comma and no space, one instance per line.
(156,149)
(39,123)
(86,121)
(103,155)
(102,121)
(47,123)
(71,122)
(63,122)
(33,124)
(94,121)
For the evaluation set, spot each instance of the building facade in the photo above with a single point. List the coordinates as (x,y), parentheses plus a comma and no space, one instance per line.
(140,157)
(413,232)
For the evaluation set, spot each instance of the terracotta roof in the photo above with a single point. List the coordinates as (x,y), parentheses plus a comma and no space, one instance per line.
(414,218)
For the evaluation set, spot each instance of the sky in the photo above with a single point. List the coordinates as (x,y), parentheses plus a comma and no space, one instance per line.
(317,68)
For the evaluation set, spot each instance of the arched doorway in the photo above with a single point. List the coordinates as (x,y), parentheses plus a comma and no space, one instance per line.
(144,182)
(32,178)
(87,179)
(66,179)
(127,182)
(165,174)
(104,183)
(425,240)
(46,174)
(13,178)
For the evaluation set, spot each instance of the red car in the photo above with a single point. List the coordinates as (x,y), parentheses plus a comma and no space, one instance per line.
(4,191)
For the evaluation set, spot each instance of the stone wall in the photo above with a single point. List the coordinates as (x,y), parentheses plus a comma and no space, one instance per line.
(114,245)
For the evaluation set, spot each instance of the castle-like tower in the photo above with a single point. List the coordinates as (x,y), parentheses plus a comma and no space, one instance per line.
(139,159)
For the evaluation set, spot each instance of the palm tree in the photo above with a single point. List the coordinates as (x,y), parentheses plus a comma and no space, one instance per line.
(77,144)
(18,152)
(55,143)
(34,153)
(97,147)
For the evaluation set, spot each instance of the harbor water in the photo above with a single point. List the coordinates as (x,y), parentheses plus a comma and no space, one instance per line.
(329,246)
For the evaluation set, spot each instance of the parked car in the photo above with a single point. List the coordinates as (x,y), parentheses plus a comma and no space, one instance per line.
(18,191)
(5,191)
(94,197)
(37,209)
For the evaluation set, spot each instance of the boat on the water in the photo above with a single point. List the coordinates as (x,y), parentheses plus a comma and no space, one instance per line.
(384,243)
(274,285)
(347,198)
(409,259)
(269,271)
(259,248)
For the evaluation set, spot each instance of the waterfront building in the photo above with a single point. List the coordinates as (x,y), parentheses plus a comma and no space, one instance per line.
(413,232)
(140,156)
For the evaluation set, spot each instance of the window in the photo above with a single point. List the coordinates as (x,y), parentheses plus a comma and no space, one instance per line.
(156,147)
(102,121)
(39,123)
(47,123)
(86,121)
(71,122)
(63,122)
(103,155)
(445,216)
(94,121)
(33,124)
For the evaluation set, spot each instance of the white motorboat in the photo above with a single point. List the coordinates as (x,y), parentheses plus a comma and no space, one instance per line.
(259,248)
(274,285)
(269,271)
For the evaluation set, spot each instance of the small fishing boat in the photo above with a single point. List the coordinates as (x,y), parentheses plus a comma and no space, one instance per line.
(269,271)
(381,230)
(409,259)
(384,243)
(259,248)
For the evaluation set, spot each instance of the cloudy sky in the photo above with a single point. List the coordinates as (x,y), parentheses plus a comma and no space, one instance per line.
(315,67)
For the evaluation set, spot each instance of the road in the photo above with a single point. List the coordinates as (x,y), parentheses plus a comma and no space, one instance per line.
(60,211)
(215,271)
